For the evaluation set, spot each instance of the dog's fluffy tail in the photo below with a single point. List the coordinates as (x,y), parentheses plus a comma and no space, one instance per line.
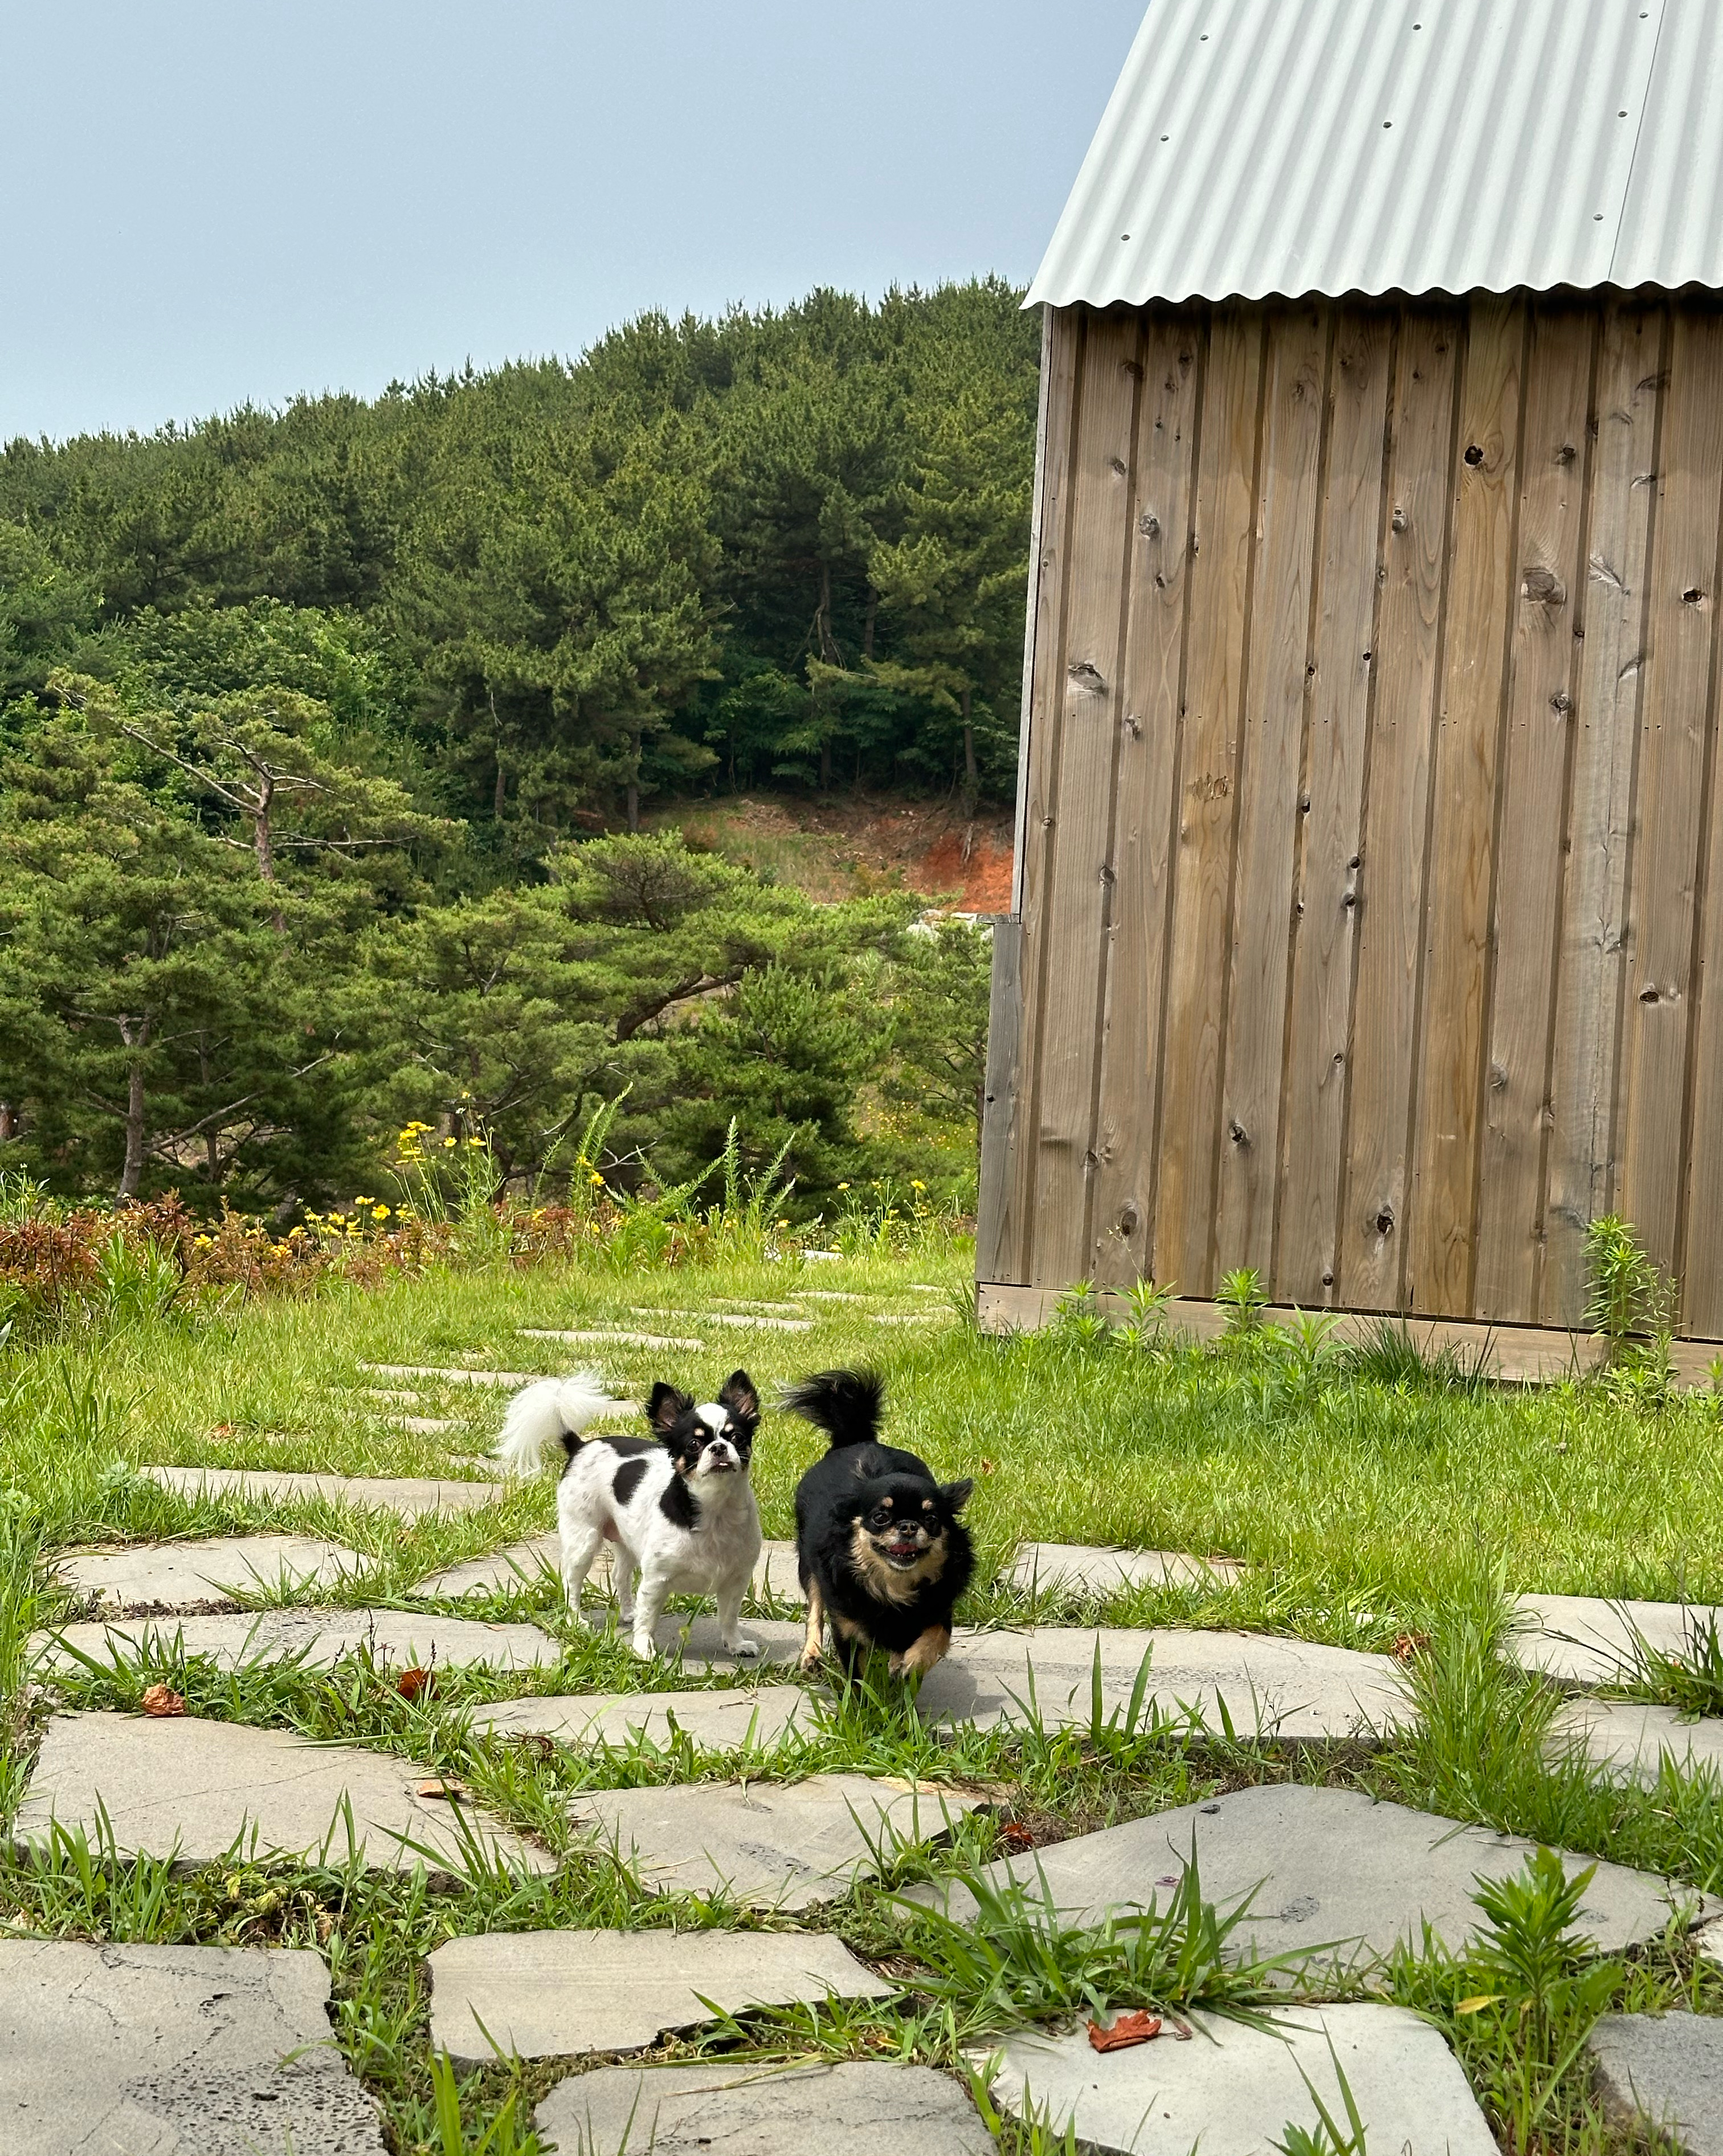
(553,1410)
(845,1404)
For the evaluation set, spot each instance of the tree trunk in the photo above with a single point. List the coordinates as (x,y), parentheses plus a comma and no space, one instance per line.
(867,625)
(263,844)
(9,1122)
(822,620)
(499,798)
(971,780)
(633,787)
(135,1033)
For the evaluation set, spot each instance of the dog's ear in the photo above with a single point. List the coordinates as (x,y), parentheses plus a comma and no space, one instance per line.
(739,1397)
(666,1408)
(957,1495)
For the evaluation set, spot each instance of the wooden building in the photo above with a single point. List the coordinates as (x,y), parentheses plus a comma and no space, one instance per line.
(1369,928)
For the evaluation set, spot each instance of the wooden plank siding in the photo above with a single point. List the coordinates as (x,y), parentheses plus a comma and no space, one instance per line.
(1628,400)
(1206,798)
(1371,922)
(1406,661)
(1125,1178)
(1532,790)
(1332,792)
(1277,677)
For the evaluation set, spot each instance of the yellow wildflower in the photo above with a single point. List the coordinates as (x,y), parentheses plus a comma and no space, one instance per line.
(379,1212)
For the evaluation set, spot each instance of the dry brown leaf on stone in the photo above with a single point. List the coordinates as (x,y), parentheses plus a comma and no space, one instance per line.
(414,1684)
(1128,2029)
(1015,1838)
(162,1699)
(1408,1644)
(450,1791)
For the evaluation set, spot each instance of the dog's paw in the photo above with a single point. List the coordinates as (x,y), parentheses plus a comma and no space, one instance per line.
(809,1662)
(746,1648)
(897,1665)
(645,1646)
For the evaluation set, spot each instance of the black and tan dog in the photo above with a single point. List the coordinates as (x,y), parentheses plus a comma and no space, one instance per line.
(879,1546)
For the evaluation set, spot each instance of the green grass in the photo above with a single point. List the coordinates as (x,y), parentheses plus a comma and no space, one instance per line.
(1370,1497)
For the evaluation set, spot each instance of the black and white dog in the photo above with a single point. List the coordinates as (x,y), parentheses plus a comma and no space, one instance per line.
(679,1504)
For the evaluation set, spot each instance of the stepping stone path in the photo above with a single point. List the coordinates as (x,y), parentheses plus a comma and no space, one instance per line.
(511,1377)
(1286,1689)
(763,2109)
(1080,1568)
(410,1495)
(719,1721)
(1664,2071)
(1328,1871)
(775,1573)
(518,1565)
(701,1651)
(315,1637)
(154,1577)
(613,1339)
(553,1994)
(1233,2090)
(178,2051)
(521,1563)
(187,1787)
(744,1319)
(1628,1739)
(771,1844)
(1585,1640)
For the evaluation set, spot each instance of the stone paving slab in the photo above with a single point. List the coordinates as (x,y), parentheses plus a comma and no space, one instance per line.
(831,1295)
(427,1425)
(744,1319)
(1082,1568)
(720,1721)
(771,1844)
(702,1653)
(554,1995)
(519,1564)
(863,2109)
(439,1377)
(1329,1872)
(612,1337)
(1664,2071)
(157,2051)
(183,1784)
(1628,1739)
(1585,1640)
(156,1578)
(1233,2090)
(317,1637)
(775,1573)
(410,1495)
(1286,1689)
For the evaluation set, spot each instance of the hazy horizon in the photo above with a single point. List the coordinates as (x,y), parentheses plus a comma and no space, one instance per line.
(314,198)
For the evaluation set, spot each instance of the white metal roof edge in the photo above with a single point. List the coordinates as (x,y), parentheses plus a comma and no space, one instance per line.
(1258,149)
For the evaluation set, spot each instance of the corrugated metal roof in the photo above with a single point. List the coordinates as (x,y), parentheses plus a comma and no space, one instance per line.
(1259,146)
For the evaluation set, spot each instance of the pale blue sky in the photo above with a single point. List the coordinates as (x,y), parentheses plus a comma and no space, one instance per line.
(211,201)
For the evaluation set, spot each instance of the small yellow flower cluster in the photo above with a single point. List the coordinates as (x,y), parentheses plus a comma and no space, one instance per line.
(410,1144)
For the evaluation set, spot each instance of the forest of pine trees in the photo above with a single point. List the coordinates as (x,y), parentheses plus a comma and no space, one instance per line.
(327,734)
